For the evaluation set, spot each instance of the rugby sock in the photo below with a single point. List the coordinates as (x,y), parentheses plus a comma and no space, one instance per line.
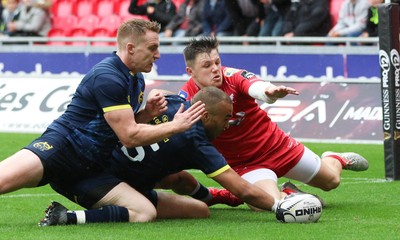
(104,214)
(201,193)
(340,159)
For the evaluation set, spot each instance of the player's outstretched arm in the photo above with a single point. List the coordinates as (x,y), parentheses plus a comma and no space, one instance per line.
(275,92)
(132,134)
(247,192)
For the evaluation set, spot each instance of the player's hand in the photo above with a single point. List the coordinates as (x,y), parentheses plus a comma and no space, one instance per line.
(185,119)
(276,92)
(156,105)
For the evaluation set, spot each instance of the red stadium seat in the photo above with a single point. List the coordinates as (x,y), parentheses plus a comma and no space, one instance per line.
(110,22)
(56,32)
(122,8)
(104,8)
(62,8)
(66,23)
(83,8)
(78,32)
(334,8)
(101,32)
(88,23)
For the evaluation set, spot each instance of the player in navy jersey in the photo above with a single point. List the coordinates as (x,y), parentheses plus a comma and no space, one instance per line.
(103,111)
(143,167)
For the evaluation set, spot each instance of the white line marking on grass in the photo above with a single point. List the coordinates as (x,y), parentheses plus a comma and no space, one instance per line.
(29,195)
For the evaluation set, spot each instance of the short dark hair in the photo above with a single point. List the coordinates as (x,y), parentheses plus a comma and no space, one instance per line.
(198,46)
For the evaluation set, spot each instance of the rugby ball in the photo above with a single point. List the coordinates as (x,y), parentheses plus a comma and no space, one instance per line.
(299,208)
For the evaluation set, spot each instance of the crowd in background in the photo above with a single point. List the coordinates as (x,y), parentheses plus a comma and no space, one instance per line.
(180,18)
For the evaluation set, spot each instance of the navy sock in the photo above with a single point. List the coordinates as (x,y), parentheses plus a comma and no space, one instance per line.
(202,193)
(104,214)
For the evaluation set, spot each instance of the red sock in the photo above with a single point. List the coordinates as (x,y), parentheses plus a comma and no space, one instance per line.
(341,160)
(288,191)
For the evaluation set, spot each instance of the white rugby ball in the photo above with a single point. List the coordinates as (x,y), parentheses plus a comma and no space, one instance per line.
(299,208)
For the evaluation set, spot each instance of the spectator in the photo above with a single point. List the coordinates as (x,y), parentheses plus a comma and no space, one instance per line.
(307,18)
(161,11)
(216,19)
(371,29)
(246,16)
(9,14)
(275,12)
(352,19)
(187,22)
(43,4)
(32,21)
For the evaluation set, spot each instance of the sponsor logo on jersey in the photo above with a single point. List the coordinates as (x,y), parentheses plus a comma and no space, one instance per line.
(230,71)
(183,94)
(42,146)
(247,74)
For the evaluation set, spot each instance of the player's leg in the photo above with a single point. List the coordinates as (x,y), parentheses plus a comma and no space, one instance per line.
(316,172)
(177,206)
(106,198)
(185,184)
(23,169)
(265,179)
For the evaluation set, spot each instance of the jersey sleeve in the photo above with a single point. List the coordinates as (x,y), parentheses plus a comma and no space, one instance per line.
(243,79)
(111,92)
(206,156)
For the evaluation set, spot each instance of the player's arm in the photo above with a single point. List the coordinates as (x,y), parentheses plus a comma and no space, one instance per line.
(247,192)
(133,134)
(268,92)
(155,105)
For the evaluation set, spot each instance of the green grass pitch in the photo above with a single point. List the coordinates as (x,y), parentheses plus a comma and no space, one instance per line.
(365,206)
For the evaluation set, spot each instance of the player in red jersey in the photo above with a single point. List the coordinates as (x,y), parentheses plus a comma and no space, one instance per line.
(254,146)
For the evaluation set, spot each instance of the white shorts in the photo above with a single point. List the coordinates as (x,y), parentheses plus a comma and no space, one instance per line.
(304,171)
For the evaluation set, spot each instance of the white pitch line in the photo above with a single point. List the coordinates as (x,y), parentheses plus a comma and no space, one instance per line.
(29,195)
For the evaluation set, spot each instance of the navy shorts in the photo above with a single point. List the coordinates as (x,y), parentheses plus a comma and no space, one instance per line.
(60,162)
(89,191)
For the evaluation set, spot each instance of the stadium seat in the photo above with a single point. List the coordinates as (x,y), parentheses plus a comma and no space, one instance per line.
(178,3)
(122,8)
(110,22)
(62,8)
(103,8)
(56,32)
(78,32)
(66,23)
(88,22)
(83,8)
(334,9)
(101,32)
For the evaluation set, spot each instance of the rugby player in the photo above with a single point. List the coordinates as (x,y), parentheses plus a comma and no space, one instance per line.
(101,114)
(254,146)
(142,167)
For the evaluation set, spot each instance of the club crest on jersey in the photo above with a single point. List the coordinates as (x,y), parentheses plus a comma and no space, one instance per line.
(247,74)
(140,98)
(42,146)
(230,71)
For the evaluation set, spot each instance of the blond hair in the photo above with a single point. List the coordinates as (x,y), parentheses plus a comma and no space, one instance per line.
(135,29)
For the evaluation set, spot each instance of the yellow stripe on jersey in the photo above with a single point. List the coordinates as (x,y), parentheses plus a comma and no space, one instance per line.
(119,107)
(219,171)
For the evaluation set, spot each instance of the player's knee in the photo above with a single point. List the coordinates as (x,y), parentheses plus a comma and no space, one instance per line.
(144,215)
(333,183)
(201,210)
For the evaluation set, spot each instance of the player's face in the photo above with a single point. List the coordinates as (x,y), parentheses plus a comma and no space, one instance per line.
(216,123)
(206,70)
(145,53)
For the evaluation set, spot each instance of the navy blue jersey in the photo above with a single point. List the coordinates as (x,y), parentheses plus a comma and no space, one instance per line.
(108,86)
(142,167)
